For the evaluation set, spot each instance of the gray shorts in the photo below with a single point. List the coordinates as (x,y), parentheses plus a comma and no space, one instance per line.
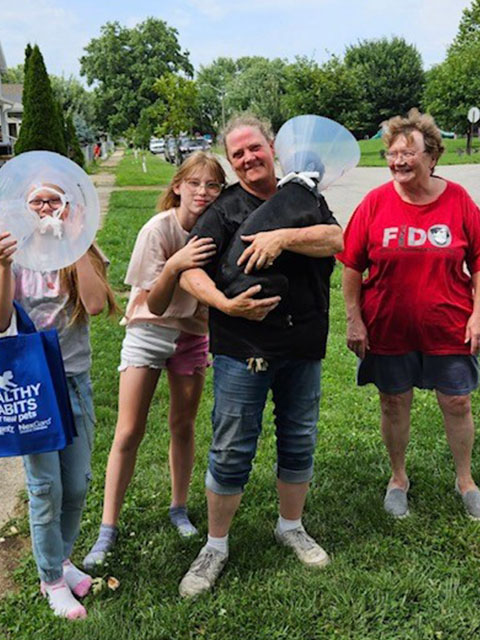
(453,375)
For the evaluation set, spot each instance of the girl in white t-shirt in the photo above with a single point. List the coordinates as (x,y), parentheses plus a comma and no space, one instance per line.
(166,328)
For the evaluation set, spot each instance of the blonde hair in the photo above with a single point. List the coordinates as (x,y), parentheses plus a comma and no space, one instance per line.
(69,284)
(197,161)
(247,119)
(415,121)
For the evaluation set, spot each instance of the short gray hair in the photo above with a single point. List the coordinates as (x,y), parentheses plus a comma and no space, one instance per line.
(247,119)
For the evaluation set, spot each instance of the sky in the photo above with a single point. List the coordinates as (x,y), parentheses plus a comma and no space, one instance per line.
(212,28)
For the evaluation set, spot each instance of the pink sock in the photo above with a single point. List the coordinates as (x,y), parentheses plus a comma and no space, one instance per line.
(78,581)
(61,600)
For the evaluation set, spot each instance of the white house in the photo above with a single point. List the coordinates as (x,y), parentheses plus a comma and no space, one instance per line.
(11,110)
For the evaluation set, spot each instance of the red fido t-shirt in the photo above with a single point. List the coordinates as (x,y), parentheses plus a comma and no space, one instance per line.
(417,296)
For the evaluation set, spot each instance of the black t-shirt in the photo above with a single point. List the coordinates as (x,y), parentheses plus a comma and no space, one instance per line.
(306,305)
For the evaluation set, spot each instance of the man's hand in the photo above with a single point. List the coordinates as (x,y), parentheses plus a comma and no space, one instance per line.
(244,306)
(265,247)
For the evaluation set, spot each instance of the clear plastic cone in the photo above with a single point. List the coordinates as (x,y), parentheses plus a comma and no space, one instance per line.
(314,143)
(41,247)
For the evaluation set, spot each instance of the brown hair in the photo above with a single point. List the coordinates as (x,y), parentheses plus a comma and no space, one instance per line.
(198,160)
(247,119)
(69,284)
(415,121)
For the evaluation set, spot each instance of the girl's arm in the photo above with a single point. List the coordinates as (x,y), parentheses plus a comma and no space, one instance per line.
(195,253)
(7,248)
(91,287)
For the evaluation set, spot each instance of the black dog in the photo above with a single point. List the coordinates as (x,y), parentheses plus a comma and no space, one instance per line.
(294,205)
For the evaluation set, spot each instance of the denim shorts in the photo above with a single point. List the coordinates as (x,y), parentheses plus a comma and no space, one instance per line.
(240,397)
(151,345)
(453,375)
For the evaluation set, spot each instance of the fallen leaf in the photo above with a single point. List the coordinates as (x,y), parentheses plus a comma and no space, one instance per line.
(113,583)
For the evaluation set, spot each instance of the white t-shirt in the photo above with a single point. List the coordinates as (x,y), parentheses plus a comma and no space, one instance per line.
(157,241)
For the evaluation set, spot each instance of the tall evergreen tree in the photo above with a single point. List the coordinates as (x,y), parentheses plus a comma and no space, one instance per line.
(41,129)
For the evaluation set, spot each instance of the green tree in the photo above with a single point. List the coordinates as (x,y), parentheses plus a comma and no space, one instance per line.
(258,86)
(13,75)
(74,151)
(176,106)
(124,63)
(332,90)
(252,83)
(468,29)
(392,77)
(213,82)
(73,97)
(40,128)
(453,87)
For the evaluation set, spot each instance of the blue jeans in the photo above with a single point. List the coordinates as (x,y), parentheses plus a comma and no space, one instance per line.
(57,484)
(240,397)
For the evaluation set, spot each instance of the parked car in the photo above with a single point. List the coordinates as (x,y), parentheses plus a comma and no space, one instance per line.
(190,145)
(157,145)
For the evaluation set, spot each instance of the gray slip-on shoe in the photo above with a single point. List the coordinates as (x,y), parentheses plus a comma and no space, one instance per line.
(471,501)
(396,503)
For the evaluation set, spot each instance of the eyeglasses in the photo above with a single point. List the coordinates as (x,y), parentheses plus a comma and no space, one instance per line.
(406,155)
(210,187)
(53,203)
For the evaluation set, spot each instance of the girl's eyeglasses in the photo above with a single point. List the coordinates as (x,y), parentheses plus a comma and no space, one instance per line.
(210,187)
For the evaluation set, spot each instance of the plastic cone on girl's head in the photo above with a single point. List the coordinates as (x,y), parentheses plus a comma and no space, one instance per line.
(310,143)
(47,243)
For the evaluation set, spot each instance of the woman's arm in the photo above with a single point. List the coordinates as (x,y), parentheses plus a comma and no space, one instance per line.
(195,253)
(7,248)
(201,286)
(357,338)
(91,287)
(317,241)
(472,332)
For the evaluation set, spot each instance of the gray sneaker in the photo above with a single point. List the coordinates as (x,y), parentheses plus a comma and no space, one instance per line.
(306,549)
(396,502)
(203,572)
(471,501)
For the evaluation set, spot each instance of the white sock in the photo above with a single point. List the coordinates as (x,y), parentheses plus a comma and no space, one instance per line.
(78,581)
(62,601)
(284,525)
(219,544)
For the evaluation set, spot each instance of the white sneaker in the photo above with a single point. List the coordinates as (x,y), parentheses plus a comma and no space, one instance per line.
(203,572)
(304,546)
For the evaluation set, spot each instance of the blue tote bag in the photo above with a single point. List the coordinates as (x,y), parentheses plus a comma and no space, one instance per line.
(35,411)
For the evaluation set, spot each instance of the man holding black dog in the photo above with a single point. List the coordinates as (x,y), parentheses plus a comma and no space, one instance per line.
(259,344)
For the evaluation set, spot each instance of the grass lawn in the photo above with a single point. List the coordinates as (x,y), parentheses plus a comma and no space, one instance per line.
(130,170)
(370,150)
(415,579)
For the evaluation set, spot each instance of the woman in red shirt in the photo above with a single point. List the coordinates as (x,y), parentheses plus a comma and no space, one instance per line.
(414,320)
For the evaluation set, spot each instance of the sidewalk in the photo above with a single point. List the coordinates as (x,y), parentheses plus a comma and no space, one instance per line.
(11,470)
